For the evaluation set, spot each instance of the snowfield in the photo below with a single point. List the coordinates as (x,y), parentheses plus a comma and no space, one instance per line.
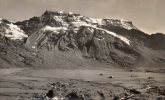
(54,29)
(124,39)
(14,32)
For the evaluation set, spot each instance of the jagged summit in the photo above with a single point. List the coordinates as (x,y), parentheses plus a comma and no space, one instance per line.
(59,13)
(67,19)
(116,22)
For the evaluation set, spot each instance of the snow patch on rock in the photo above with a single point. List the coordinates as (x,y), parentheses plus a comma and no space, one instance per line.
(33,47)
(54,29)
(14,32)
(60,20)
(126,25)
(70,13)
(61,12)
(96,21)
(79,23)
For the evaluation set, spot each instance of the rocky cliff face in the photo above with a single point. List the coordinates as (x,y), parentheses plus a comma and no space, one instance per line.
(69,36)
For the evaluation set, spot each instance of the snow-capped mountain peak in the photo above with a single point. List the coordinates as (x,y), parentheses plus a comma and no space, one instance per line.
(65,21)
(114,41)
(57,21)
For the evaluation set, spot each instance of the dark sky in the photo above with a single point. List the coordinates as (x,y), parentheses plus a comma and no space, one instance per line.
(147,15)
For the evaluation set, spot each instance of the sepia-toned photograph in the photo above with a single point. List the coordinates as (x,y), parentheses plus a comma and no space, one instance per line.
(82,49)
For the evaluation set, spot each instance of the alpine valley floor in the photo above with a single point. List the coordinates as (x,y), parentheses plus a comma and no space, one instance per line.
(80,84)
